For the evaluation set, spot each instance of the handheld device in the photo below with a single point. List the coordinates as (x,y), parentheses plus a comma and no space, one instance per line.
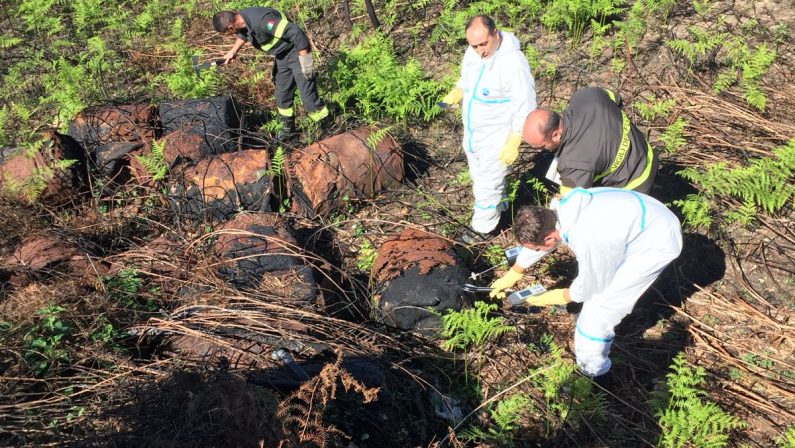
(519,297)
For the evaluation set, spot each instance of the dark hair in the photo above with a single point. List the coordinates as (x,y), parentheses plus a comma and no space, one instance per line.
(533,224)
(487,21)
(550,125)
(222,20)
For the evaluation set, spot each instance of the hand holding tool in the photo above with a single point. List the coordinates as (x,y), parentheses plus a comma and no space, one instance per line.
(523,295)
(551,297)
(506,281)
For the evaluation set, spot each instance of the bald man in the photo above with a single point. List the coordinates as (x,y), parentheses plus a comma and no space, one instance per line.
(594,143)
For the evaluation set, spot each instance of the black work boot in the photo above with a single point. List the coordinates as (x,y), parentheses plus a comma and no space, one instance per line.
(288,131)
(470,237)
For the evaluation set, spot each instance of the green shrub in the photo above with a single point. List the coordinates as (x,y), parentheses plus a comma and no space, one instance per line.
(43,341)
(765,183)
(154,163)
(370,81)
(471,326)
(787,439)
(126,288)
(568,395)
(685,418)
(673,137)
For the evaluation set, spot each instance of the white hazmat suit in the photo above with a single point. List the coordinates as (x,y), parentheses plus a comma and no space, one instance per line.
(499,92)
(622,240)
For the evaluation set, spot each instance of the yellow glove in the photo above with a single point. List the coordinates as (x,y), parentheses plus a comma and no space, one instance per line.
(551,297)
(510,150)
(453,97)
(506,281)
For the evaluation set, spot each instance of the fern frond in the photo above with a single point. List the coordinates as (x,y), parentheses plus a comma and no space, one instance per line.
(509,410)
(673,136)
(686,419)
(471,326)
(154,163)
(377,136)
(277,162)
(7,42)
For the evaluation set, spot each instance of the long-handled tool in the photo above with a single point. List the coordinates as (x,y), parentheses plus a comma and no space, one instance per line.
(198,67)
(510,258)
(515,298)
(468,287)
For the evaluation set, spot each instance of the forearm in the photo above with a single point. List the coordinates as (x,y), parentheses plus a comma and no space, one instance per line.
(237,45)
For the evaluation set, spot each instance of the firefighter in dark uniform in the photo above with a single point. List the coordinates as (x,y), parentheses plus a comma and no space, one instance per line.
(594,142)
(269,30)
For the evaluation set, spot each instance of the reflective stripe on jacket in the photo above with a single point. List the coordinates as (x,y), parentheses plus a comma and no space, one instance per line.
(269,30)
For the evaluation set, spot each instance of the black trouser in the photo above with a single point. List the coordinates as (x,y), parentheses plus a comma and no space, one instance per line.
(287,76)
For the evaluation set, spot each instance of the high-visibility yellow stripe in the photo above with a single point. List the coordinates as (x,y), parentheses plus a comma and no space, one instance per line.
(611,95)
(277,34)
(623,148)
(646,171)
(285,112)
(319,114)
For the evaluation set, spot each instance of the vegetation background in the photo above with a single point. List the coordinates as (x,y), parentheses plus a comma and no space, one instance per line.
(706,360)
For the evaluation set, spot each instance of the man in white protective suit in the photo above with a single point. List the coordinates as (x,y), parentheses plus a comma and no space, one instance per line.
(498,92)
(622,240)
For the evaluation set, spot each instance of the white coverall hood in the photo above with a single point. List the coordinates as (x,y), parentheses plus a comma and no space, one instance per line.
(499,92)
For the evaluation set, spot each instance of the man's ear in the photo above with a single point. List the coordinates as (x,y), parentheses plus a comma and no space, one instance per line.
(552,238)
(556,135)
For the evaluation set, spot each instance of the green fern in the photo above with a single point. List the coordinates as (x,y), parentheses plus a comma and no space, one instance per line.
(765,182)
(31,187)
(702,7)
(696,210)
(365,256)
(370,80)
(745,214)
(751,64)
(654,108)
(509,410)
(182,80)
(7,42)
(787,439)
(686,419)
(154,163)
(277,162)
(702,44)
(5,115)
(471,326)
(631,29)
(568,395)
(377,136)
(725,79)
(672,137)
(86,14)
(575,15)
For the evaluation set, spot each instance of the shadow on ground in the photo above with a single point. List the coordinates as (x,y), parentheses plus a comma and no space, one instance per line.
(653,334)
(265,407)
